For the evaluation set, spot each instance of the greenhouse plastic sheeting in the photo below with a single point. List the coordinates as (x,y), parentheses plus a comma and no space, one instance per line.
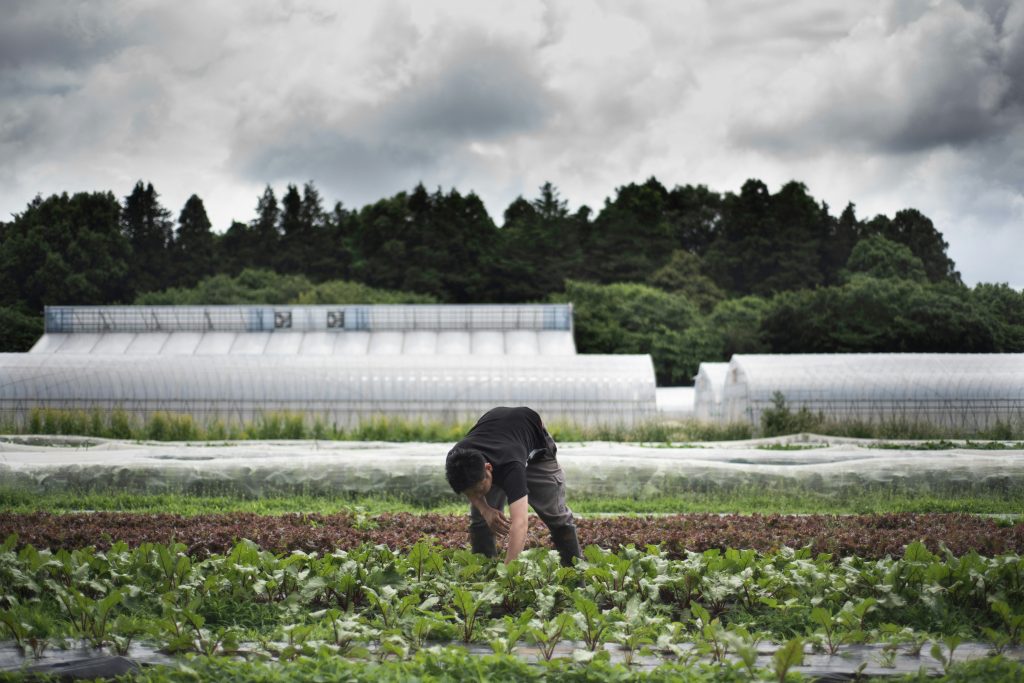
(312,343)
(959,391)
(708,387)
(417,470)
(342,391)
(675,403)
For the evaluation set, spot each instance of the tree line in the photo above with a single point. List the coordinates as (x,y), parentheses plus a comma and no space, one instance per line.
(686,274)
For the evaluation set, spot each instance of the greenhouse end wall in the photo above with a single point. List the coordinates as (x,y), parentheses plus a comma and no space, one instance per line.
(962,392)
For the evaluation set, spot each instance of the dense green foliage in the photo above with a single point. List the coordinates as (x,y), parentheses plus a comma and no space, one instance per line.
(372,604)
(685,274)
(254,286)
(19,331)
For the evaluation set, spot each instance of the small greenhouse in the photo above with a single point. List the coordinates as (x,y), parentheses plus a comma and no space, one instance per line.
(708,386)
(958,391)
(339,364)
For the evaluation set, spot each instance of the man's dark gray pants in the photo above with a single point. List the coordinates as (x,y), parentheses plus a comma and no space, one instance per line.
(546,484)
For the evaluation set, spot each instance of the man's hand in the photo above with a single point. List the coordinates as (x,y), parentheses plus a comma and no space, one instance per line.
(496,520)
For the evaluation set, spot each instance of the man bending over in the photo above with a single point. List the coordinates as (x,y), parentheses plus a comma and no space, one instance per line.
(508,456)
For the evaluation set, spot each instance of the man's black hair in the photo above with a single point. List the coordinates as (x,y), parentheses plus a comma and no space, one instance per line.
(464,468)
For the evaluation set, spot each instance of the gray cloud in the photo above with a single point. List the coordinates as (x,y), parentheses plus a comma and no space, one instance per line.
(920,79)
(476,91)
(480,90)
(67,34)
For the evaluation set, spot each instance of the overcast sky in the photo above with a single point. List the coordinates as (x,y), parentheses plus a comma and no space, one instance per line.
(886,104)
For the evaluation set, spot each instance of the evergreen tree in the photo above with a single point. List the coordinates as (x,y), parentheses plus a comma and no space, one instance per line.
(915,230)
(768,243)
(65,250)
(693,214)
(194,244)
(538,248)
(237,247)
(429,243)
(843,234)
(265,234)
(631,236)
(149,230)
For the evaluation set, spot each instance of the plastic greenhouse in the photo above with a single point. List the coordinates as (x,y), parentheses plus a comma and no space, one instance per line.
(341,364)
(708,386)
(961,391)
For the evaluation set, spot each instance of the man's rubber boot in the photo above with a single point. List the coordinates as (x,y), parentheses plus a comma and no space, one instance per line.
(566,543)
(482,541)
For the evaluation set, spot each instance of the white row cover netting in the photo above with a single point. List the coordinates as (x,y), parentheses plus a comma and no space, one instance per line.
(416,470)
(959,391)
(296,343)
(343,391)
(708,386)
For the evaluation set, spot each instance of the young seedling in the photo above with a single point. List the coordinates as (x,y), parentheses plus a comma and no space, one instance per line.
(547,635)
(1014,622)
(786,657)
(506,637)
(636,630)
(713,639)
(946,658)
(29,628)
(467,606)
(124,630)
(594,626)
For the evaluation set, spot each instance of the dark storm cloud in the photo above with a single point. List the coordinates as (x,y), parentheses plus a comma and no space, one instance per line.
(347,166)
(480,90)
(928,79)
(477,92)
(65,34)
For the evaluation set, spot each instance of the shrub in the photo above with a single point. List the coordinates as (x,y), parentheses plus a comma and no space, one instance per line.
(779,419)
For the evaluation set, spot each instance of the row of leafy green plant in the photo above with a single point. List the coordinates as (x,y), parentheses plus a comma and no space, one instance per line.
(865,536)
(374,603)
(746,499)
(778,420)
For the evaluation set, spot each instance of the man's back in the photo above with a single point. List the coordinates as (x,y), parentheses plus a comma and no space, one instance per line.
(505,435)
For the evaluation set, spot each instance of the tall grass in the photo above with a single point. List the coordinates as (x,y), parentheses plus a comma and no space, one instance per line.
(780,419)
(165,426)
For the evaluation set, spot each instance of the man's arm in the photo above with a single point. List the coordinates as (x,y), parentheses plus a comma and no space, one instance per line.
(517,529)
(495,518)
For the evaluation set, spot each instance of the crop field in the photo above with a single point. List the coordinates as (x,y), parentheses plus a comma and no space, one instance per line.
(228,573)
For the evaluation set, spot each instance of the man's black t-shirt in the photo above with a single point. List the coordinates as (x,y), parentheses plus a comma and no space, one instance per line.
(508,439)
